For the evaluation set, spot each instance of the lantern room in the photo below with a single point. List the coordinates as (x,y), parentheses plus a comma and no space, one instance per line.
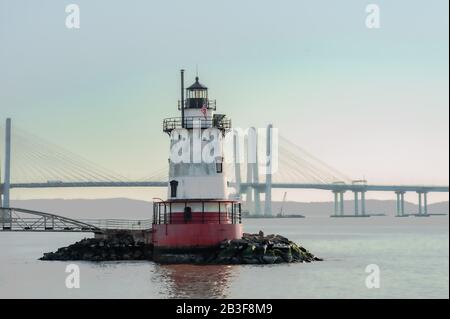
(197,96)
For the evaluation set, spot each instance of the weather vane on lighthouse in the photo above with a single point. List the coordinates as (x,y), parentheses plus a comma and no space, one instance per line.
(198,213)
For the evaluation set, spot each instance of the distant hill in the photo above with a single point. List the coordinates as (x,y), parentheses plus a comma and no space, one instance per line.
(137,209)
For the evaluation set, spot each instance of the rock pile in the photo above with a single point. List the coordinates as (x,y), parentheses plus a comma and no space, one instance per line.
(118,247)
(250,249)
(260,249)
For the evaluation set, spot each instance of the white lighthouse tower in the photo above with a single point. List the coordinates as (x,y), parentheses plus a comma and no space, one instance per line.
(196,145)
(198,213)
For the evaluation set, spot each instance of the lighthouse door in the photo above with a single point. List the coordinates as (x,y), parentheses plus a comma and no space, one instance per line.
(173,188)
(187,214)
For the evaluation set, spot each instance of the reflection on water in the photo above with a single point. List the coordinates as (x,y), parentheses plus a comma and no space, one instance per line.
(193,281)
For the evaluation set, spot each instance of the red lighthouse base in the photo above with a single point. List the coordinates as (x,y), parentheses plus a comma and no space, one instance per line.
(186,236)
(179,236)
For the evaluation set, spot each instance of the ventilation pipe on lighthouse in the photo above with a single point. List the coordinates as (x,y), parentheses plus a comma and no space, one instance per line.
(182,98)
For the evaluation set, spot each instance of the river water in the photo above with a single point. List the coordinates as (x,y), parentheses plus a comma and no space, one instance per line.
(412,255)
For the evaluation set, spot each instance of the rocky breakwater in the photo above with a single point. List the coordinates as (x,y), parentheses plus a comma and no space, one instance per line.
(260,249)
(250,249)
(117,247)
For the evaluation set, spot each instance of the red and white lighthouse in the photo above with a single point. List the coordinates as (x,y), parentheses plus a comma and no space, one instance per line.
(198,213)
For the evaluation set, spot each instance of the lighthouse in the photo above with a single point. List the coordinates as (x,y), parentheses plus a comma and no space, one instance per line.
(198,213)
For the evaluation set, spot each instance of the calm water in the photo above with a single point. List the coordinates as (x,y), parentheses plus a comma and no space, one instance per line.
(412,253)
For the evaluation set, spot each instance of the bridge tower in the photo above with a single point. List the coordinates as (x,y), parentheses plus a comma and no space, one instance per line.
(255,170)
(237,164)
(7,171)
(253,198)
(198,213)
(269,171)
(249,190)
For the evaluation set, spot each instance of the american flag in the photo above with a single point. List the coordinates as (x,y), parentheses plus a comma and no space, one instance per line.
(204,109)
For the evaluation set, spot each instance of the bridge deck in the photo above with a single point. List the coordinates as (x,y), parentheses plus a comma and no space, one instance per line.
(330,187)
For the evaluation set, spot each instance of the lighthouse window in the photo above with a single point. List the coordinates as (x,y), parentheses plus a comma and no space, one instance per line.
(173,188)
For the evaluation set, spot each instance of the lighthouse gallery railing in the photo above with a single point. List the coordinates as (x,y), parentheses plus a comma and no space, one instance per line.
(163,212)
(220,122)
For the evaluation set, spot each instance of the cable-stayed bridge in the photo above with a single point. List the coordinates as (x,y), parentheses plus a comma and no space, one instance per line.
(31,162)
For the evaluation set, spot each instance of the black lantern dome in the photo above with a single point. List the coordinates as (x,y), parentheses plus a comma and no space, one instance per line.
(197,86)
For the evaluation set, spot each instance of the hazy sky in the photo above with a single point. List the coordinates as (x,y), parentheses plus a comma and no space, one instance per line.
(372,103)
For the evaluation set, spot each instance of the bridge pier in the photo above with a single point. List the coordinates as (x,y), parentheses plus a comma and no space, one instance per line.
(336,203)
(400,203)
(402,206)
(363,203)
(420,203)
(423,206)
(257,201)
(249,199)
(341,203)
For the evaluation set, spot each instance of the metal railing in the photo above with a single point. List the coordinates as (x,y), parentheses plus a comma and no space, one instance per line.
(18,219)
(191,122)
(120,224)
(163,213)
(42,224)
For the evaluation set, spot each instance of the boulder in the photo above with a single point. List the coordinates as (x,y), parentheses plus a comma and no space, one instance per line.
(269,259)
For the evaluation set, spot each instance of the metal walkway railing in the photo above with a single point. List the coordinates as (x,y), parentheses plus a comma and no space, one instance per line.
(18,219)
(119,224)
